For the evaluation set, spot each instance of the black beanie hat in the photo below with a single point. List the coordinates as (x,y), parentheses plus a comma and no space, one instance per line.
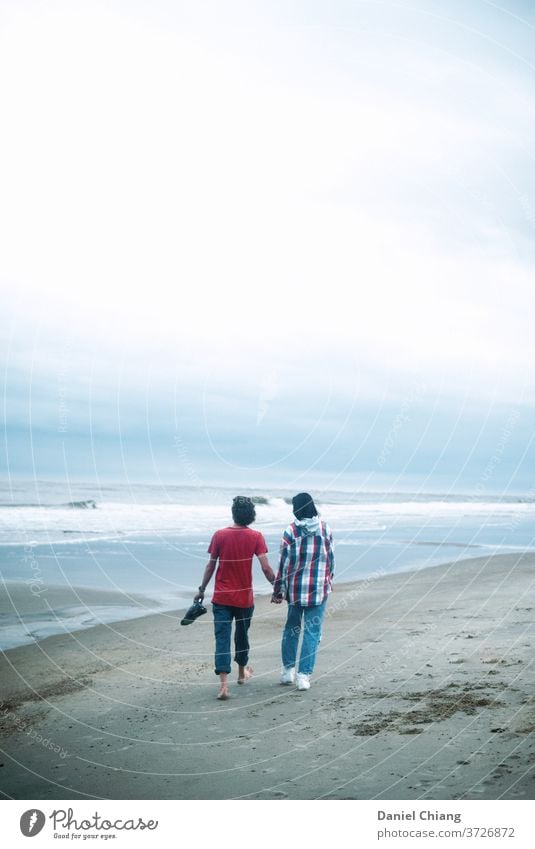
(303,506)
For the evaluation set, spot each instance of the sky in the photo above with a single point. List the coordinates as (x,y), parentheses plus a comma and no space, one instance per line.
(269,242)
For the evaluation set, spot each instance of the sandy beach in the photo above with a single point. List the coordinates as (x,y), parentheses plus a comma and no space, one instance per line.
(424,689)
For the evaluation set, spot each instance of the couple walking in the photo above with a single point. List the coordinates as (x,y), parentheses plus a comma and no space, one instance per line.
(304,580)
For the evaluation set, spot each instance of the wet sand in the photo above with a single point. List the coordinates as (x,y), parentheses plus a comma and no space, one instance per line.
(424,689)
(33,611)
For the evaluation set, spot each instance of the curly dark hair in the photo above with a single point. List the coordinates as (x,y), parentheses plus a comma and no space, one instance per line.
(243,510)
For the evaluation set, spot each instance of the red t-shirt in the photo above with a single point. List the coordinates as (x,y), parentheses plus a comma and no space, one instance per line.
(235,548)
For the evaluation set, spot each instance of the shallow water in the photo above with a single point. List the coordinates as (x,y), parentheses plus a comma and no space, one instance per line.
(153,540)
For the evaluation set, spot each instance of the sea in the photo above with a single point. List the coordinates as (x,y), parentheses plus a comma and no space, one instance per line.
(152,539)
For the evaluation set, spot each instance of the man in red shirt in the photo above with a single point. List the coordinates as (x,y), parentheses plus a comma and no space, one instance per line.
(234,547)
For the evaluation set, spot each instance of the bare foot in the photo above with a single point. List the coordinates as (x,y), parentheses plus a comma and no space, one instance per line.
(223,686)
(244,674)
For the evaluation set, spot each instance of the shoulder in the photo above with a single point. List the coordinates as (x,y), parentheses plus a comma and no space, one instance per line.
(326,529)
(221,533)
(290,533)
(247,533)
(252,533)
(260,543)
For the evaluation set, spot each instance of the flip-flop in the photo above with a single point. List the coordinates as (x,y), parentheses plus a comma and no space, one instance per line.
(193,613)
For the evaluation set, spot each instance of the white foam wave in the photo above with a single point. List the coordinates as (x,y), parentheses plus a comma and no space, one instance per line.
(31,525)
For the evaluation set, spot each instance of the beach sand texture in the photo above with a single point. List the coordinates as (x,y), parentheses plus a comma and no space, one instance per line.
(424,689)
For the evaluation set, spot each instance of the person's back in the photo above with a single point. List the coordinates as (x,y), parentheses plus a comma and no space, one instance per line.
(307,561)
(304,579)
(235,548)
(233,600)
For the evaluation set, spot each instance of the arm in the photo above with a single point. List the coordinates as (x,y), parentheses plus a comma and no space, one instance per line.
(208,572)
(277,587)
(266,568)
(331,556)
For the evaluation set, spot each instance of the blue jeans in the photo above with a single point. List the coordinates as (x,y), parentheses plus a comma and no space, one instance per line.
(223,616)
(312,618)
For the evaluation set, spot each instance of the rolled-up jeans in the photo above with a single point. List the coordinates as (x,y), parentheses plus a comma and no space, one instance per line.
(223,616)
(310,618)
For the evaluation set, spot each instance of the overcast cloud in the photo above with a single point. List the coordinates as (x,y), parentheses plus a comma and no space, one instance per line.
(260,230)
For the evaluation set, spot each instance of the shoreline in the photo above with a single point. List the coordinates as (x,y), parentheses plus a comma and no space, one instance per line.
(423,689)
(31,612)
(38,609)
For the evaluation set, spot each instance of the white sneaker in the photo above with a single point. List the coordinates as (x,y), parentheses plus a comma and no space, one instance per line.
(302,681)
(287,675)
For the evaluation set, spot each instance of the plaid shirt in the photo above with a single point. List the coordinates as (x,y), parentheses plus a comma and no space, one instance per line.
(306,567)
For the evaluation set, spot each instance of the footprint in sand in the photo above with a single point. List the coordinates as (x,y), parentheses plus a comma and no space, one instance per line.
(523,722)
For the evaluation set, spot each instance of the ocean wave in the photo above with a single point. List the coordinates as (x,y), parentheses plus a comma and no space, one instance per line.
(88,504)
(80,521)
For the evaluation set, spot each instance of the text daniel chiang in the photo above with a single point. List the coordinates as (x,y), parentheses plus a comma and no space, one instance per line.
(428,816)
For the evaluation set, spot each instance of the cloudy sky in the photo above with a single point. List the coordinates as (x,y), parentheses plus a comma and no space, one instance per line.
(268,241)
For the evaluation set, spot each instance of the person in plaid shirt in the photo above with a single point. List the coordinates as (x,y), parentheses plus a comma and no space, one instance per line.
(304,579)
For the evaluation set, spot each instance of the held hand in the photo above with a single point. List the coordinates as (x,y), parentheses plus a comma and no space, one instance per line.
(276,599)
